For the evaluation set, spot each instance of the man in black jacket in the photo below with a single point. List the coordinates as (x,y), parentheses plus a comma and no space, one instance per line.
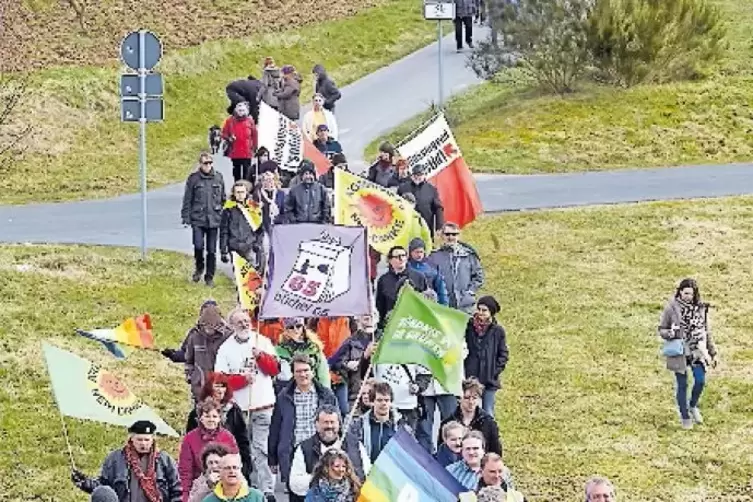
(428,204)
(388,285)
(247,90)
(326,87)
(203,200)
(307,202)
(307,454)
(236,233)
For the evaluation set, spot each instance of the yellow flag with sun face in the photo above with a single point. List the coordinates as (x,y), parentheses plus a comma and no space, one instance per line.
(247,281)
(390,219)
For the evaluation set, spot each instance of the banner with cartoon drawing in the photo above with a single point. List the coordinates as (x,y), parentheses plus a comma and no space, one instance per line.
(88,391)
(317,271)
(247,282)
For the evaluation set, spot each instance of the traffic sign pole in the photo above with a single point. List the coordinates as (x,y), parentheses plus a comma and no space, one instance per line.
(439,64)
(142,138)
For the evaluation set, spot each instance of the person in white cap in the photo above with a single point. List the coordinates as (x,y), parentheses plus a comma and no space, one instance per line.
(132,471)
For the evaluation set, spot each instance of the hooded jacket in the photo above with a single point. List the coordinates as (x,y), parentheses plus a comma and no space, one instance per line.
(461,269)
(433,278)
(326,87)
(203,199)
(189,458)
(308,203)
(201,353)
(243,129)
(375,435)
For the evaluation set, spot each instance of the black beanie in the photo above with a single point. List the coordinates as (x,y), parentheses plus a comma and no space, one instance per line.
(490,303)
(104,493)
(307,166)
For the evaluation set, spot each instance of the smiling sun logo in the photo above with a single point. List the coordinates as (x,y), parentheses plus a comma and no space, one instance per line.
(375,211)
(109,391)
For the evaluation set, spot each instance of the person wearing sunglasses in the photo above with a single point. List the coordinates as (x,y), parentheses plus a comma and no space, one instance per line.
(296,339)
(460,266)
(203,200)
(389,284)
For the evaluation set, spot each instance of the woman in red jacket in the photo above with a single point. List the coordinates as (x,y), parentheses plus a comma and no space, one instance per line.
(239,131)
(209,431)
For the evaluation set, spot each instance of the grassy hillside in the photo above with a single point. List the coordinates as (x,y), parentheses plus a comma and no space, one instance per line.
(180,24)
(585,391)
(503,129)
(80,149)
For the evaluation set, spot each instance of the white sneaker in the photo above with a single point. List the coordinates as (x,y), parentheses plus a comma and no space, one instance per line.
(695,414)
(687,423)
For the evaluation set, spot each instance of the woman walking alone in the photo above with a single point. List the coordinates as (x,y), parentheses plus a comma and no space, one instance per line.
(687,345)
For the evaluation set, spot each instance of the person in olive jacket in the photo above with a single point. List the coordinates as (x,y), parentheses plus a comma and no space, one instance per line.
(487,350)
(203,201)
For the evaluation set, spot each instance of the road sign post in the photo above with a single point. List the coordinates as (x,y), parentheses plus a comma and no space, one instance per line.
(141,99)
(439,11)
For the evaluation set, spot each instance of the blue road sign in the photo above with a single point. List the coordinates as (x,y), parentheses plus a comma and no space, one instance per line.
(130,109)
(129,85)
(130,47)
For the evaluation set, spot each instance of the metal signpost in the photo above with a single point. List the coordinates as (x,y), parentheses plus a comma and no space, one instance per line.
(141,98)
(437,10)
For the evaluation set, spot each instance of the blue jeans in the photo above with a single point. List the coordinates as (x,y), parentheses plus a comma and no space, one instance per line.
(341,393)
(487,400)
(699,381)
(447,404)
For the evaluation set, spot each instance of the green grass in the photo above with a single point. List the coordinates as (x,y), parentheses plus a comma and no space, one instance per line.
(586,390)
(81,150)
(503,129)
(47,292)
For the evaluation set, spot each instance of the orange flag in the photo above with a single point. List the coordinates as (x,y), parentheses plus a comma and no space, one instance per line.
(312,153)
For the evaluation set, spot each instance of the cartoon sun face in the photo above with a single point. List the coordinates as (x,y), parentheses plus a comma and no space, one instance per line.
(114,391)
(451,357)
(374,210)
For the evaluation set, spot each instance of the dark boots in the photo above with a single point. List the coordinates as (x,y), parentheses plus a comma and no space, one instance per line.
(198,257)
(211,267)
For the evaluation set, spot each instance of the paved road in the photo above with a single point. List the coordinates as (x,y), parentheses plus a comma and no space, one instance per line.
(370,107)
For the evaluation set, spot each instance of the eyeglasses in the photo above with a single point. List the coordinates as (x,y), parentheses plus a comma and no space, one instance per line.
(451,234)
(399,256)
(208,162)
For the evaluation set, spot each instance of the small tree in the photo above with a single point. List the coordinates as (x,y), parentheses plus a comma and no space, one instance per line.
(544,38)
(12,91)
(641,41)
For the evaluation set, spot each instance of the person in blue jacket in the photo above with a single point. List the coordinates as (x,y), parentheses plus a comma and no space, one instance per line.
(417,261)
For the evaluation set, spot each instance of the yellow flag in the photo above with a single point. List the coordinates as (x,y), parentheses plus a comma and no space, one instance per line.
(247,281)
(390,219)
(251,211)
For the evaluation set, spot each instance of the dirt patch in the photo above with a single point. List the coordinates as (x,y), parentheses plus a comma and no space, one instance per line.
(42,33)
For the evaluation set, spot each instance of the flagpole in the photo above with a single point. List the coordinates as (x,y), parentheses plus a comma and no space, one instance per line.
(67,440)
(349,418)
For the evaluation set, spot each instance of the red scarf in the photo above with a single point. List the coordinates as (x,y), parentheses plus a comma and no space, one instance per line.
(148,479)
(480,325)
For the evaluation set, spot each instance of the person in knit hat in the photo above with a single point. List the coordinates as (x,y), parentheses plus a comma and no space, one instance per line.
(417,261)
(201,346)
(309,201)
(487,350)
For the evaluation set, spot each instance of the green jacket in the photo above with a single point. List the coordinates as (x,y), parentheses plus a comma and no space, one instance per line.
(286,351)
(246,494)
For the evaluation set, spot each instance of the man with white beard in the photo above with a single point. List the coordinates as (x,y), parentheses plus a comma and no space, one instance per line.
(251,357)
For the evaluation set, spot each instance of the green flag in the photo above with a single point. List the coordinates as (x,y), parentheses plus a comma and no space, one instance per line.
(420,331)
(84,390)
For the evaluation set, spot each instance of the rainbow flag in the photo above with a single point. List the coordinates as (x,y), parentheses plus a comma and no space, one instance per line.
(133,332)
(405,471)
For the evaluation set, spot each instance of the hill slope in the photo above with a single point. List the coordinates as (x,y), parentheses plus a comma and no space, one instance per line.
(180,23)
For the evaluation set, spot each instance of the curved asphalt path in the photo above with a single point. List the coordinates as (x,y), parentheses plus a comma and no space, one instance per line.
(370,107)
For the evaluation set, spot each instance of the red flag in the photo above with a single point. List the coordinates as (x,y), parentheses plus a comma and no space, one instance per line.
(435,147)
(312,153)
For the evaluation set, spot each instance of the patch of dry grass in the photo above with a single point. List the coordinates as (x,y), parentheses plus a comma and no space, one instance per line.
(47,292)
(586,390)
